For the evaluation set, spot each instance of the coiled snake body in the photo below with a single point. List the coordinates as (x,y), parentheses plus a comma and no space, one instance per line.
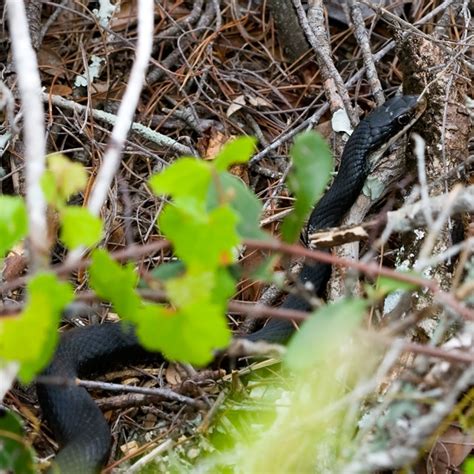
(75,419)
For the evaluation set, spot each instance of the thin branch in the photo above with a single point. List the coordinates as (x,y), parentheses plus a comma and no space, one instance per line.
(362,38)
(435,229)
(419,151)
(131,252)
(412,216)
(111,119)
(149,457)
(316,34)
(113,155)
(29,84)
(115,387)
(8,373)
(370,269)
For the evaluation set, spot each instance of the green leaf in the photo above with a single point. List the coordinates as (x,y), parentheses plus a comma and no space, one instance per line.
(265,271)
(190,288)
(79,227)
(190,330)
(324,333)
(189,334)
(231,189)
(70,177)
(48,185)
(15,454)
(387,285)
(237,151)
(31,337)
(207,242)
(468,465)
(115,283)
(224,286)
(187,177)
(166,271)
(13,222)
(309,175)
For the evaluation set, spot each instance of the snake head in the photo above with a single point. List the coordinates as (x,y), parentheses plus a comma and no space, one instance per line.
(390,121)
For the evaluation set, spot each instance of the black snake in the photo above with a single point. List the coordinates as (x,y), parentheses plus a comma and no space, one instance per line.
(75,419)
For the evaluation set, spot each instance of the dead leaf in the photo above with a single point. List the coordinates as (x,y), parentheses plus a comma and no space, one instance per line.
(130,448)
(210,146)
(325,129)
(60,89)
(15,264)
(150,421)
(172,375)
(242,172)
(125,17)
(451,448)
(258,101)
(236,105)
(50,62)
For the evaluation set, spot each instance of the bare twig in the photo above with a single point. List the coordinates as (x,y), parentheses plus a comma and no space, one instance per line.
(362,38)
(30,89)
(314,27)
(151,456)
(138,128)
(8,373)
(419,151)
(436,227)
(370,269)
(115,387)
(412,216)
(112,156)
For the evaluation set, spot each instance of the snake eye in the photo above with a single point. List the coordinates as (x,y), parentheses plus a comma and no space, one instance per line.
(404,119)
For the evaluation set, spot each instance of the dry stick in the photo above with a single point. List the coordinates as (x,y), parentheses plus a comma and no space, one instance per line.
(411,435)
(464,246)
(434,230)
(204,21)
(412,216)
(419,151)
(314,28)
(395,18)
(138,128)
(370,269)
(402,220)
(179,25)
(112,156)
(116,387)
(132,252)
(259,311)
(159,392)
(256,311)
(49,22)
(29,84)
(455,356)
(362,39)
(8,373)
(151,456)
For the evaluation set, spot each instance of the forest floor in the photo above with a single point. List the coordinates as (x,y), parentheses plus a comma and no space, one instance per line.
(220,70)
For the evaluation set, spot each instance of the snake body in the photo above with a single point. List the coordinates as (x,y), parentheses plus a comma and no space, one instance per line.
(372,136)
(75,419)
